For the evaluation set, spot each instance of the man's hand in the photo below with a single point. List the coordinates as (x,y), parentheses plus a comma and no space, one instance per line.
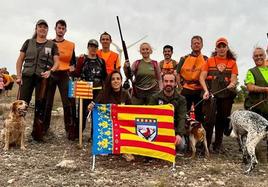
(178,140)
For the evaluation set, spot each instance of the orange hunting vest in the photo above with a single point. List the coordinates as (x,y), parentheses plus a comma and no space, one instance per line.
(66,49)
(110,62)
(190,72)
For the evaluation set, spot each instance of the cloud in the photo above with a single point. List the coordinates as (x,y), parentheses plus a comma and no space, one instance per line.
(165,22)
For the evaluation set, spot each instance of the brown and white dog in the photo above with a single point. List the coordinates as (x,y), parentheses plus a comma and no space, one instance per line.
(14,126)
(196,133)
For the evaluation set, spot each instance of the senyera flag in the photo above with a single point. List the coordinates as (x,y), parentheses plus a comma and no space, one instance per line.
(134,129)
(80,89)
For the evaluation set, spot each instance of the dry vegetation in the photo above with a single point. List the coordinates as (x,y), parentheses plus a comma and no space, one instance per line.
(38,165)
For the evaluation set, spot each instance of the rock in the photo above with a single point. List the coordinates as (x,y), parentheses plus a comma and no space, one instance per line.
(67,164)
(10,181)
(221,183)
(202,179)
(181,173)
(60,110)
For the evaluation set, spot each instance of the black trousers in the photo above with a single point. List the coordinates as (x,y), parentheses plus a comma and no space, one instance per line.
(39,84)
(222,112)
(194,96)
(59,79)
(29,83)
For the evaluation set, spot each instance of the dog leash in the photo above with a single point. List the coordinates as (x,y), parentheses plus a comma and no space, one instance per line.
(260,102)
(210,95)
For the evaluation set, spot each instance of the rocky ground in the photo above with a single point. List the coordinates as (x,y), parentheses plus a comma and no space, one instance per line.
(41,165)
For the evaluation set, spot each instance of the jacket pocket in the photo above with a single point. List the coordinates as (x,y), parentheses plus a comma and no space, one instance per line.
(28,68)
(29,60)
(46,62)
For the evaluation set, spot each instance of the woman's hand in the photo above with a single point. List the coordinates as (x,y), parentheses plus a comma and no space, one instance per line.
(91,106)
(19,80)
(231,85)
(127,63)
(206,95)
(46,74)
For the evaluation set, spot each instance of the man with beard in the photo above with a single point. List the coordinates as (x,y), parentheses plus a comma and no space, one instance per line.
(168,65)
(169,95)
(189,69)
(60,78)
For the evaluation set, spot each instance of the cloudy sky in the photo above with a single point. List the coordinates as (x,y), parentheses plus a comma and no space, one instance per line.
(174,22)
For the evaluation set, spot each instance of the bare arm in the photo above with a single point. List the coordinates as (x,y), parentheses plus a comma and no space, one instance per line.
(233,81)
(179,80)
(202,80)
(19,66)
(56,63)
(257,89)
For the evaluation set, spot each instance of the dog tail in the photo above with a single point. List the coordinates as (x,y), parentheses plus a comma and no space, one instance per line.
(234,132)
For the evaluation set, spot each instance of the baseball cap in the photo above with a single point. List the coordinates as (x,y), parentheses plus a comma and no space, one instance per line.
(221,40)
(93,42)
(41,21)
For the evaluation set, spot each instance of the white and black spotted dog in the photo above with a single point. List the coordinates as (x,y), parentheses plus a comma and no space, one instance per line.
(250,129)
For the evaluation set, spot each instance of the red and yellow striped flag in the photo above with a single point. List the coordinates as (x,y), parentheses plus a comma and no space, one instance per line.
(136,129)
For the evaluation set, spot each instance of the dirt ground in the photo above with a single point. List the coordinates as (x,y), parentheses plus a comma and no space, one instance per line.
(38,165)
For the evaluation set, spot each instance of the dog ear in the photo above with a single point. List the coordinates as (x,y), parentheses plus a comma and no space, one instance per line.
(13,107)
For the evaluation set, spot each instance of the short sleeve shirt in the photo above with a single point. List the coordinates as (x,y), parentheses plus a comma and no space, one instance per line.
(250,78)
(39,46)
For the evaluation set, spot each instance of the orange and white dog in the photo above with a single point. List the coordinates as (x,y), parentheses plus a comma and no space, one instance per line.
(196,133)
(14,126)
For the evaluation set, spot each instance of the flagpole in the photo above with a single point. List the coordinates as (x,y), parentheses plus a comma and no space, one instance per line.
(80,122)
(174,166)
(93,163)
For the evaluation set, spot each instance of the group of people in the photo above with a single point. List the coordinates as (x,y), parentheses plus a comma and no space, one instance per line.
(6,82)
(208,83)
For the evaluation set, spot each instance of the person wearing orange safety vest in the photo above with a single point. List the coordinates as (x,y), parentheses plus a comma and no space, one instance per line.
(112,60)
(189,69)
(8,82)
(60,79)
(219,77)
(168,65)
